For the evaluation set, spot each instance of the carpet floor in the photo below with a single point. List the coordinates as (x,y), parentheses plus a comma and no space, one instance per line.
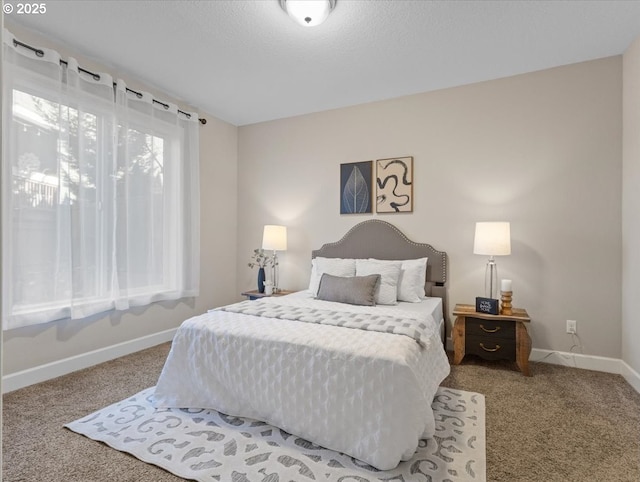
(561,424)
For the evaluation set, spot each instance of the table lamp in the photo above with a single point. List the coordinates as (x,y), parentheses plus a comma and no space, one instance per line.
(274,238)
(492,239)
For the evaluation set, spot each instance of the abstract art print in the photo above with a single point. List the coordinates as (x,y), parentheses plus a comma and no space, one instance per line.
(356,179)
(394,185)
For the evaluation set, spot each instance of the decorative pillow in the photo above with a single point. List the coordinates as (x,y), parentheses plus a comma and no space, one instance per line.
(355,290)
(389,271)
(335,266)
(413,279)
(413,275)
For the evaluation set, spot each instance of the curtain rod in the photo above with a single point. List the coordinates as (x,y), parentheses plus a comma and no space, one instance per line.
(40,53)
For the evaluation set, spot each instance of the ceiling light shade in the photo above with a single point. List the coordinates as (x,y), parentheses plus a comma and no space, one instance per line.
(308,13)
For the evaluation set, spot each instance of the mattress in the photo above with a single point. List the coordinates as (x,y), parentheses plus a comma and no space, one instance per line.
(366,394)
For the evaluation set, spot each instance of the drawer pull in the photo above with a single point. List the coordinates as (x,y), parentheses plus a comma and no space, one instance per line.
(489,349)
(497,328)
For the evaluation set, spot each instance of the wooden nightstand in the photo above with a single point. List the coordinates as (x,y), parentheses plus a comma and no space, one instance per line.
(492,337)
(255,294)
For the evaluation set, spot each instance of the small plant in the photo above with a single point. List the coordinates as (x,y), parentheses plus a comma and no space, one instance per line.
(259,259)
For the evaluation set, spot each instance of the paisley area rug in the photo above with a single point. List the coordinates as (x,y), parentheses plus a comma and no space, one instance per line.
(206,445)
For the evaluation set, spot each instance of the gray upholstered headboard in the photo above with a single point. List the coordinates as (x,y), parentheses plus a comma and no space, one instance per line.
(382,240)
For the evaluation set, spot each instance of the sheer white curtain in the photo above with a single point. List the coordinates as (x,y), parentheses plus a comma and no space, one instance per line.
(157,201)
(100,193)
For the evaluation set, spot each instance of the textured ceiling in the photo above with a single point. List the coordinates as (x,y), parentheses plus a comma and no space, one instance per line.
(247,62)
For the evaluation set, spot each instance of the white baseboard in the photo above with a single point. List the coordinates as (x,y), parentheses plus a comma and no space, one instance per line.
(38,374)
(577,360)
(632,376)
(586,362)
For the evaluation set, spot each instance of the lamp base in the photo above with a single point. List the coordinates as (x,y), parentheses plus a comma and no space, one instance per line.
(491,279)
(274,271)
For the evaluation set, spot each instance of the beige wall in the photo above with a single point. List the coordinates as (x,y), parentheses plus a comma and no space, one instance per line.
(33,346)
(631,207)
(541,150)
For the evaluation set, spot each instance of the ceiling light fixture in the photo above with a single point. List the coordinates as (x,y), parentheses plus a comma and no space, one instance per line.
(308,13)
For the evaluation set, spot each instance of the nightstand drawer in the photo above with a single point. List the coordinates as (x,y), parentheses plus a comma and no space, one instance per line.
(490,328)
(490,348)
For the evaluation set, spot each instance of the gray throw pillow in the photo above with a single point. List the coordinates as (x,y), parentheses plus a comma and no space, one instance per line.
(355,290)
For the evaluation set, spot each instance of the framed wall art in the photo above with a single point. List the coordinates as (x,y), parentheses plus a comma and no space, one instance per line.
(394,185)
(356,189)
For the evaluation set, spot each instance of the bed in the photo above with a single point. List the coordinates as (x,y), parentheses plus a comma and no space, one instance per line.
(360,392)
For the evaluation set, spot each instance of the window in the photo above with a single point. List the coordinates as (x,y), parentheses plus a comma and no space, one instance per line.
(100,194)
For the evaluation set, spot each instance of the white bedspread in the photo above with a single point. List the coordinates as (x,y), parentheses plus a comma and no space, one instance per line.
(366,394)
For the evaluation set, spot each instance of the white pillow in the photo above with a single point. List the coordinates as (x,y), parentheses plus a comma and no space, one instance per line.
(413,275)
(415,271)
(333,266)
(389,271)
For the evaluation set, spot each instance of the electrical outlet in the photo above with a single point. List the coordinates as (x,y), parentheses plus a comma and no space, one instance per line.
(572,326)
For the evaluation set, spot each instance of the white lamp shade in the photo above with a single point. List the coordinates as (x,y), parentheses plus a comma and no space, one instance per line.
(308,13)
(492,239)
(274,238)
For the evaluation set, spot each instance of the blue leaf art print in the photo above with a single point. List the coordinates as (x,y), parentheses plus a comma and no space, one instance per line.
(356,187)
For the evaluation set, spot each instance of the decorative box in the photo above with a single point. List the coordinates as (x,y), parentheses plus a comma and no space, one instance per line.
(487,305)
